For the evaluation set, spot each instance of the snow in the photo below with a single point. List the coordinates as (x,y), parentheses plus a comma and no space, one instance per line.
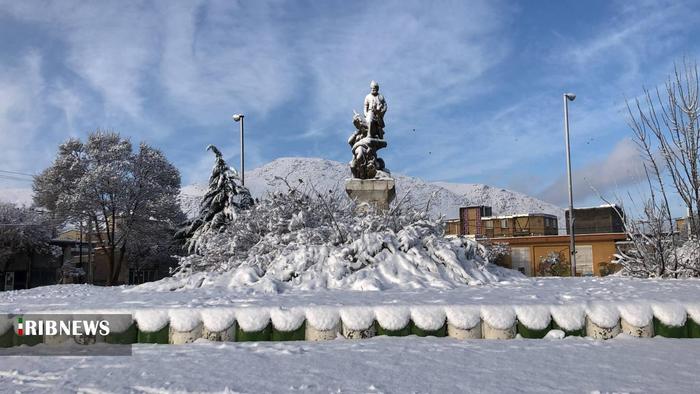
(603,314)
(428,317)
(570,317)
(252,319)
(381,364)
(464,317)
(218,319)
(322,318)
(151,320)
(287,319)
(555,334)
(636,314)
(536,317)
(357,318)
(498,316)
(670,314)
(392,317)
(184,319)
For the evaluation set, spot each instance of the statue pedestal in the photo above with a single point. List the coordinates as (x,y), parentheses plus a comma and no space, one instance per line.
(377,192)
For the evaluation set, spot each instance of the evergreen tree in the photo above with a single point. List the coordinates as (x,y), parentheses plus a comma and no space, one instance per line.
(224,198)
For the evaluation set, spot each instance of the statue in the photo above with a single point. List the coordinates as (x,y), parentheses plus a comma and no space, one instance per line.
(371,184)
(368,137)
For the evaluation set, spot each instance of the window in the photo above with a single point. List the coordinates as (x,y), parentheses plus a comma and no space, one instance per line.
(504,223)
(489,224)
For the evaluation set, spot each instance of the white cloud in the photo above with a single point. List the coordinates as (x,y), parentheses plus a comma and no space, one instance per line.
(21,89)
(622,167)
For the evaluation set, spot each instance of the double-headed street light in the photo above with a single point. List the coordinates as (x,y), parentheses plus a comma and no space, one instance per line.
(239,118)
(572,244)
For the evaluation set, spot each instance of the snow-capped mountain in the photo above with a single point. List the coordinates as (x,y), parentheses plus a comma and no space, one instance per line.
(440,198)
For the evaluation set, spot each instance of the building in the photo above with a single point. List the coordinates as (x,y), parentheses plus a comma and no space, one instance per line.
(26,270)
(522,225)
(85,254)
(533,237)
(470,219)
(594,252)
(478,221)
(597,220)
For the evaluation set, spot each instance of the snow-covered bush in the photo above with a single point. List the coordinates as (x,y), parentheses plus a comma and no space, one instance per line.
(219,205)
(554,264)
(306,238)
(494,252)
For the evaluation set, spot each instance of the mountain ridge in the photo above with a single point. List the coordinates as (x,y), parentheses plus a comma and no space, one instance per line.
(441,198)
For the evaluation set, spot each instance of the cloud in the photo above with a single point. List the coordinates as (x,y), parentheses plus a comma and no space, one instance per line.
(622,167)
(21,89)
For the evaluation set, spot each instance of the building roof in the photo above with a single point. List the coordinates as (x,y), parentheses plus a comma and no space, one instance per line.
(553,239)
(519,215)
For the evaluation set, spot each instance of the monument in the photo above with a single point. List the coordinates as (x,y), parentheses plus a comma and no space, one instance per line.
(371,182)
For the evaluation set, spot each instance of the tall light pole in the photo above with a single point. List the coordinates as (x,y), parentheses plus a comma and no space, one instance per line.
(239,118)
(572,242)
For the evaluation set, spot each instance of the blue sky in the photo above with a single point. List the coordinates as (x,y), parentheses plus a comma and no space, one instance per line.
(474,87)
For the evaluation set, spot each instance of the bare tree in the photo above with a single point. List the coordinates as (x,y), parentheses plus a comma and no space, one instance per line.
(666,127)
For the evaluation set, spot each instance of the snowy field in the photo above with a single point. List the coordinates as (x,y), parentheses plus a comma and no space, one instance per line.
(377,365)
(540,291)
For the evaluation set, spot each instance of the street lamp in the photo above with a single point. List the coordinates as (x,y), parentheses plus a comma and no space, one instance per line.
(239,118)
(572,244)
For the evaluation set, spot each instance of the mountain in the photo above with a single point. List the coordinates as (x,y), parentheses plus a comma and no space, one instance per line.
(441,198)
(17,196)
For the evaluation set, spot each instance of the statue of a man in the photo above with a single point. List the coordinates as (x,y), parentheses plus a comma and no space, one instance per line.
(375,108)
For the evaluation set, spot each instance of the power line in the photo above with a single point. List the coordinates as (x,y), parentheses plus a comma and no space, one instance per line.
(12,178)
(18,173)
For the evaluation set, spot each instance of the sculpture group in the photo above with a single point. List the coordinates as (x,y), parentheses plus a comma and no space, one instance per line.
(368,137)
(371,182)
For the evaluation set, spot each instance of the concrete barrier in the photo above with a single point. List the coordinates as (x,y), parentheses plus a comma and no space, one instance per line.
(597,331)
(646,331)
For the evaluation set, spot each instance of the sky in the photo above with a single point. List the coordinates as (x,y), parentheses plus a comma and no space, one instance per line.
(474,88)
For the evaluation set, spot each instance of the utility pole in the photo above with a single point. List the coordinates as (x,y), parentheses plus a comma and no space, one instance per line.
(239,118)
(572,241)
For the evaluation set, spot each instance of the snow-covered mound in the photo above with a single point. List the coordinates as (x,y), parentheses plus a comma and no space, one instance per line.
(441,198)
(309,239)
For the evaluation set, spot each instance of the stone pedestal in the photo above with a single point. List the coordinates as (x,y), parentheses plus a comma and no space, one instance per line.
(377,192)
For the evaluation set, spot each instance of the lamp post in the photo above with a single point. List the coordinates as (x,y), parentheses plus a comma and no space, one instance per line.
(239,118)
(572,244)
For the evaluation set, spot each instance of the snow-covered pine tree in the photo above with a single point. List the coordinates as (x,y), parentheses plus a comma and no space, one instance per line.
(218,206)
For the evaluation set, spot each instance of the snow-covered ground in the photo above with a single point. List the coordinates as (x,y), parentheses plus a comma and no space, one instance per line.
(377,365)
(534,291)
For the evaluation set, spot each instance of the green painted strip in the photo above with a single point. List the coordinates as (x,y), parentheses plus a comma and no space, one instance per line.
(693,328)
(440,332)
(254,336)
(127,337)
(581,332)
(530,333)
(161,336)
(297,335)
(29,340)
(393,333)
(664,330)
(6,338)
